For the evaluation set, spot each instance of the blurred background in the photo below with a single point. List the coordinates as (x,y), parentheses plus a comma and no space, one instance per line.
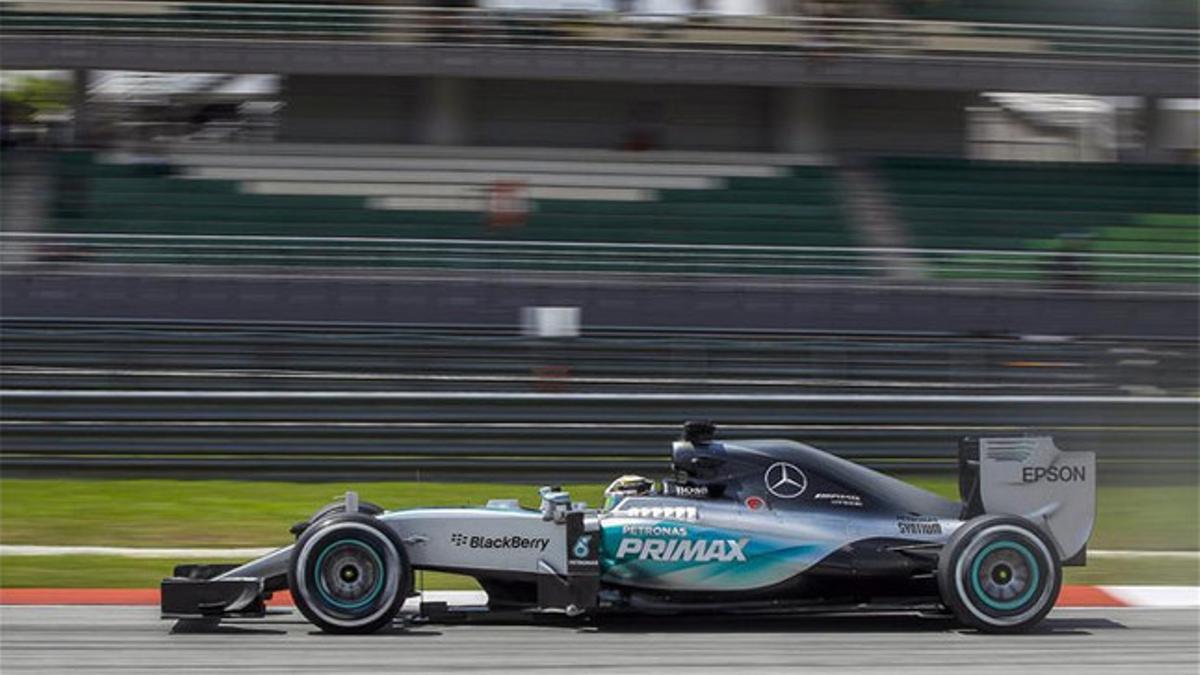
(255,253)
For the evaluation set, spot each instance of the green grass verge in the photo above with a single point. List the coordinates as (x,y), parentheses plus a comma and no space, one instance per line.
(1150,571)
(209,513)
(234,513)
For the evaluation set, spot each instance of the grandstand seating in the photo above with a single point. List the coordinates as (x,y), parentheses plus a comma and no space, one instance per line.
(972,219)
(442,194)
(973,206)
(326,21)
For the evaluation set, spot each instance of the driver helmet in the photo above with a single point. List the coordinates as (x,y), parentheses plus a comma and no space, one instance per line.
(626,486)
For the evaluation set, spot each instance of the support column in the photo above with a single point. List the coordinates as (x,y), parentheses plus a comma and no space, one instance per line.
(445,118)
(81,128)
(800,120)
(1152,131)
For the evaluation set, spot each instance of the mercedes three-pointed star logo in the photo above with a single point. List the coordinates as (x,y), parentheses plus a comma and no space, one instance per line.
(785,480)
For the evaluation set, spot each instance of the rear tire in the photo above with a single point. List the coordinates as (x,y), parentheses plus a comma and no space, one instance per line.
(349,574)
(1000,574)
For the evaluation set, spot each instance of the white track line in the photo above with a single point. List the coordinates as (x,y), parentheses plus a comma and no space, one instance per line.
(1173,555)
(127,552)
(1156,596)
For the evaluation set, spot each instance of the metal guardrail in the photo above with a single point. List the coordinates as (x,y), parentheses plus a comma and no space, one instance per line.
(501,436)
(340,400)
(116,355)
(406,25)
(375,255)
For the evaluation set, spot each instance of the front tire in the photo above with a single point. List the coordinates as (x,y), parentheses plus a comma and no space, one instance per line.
(349,574)
(334,508)
(1000,574)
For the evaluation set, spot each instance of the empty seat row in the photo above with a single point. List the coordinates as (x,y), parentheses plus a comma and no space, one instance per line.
(973,216)
(682,200)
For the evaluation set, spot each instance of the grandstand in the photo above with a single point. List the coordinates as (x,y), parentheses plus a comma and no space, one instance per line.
(451,194)
(759,139)
(1026,221)
(972,207)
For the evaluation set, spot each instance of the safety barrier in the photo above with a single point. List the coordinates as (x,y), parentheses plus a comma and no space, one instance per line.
(376,255)
(289,401)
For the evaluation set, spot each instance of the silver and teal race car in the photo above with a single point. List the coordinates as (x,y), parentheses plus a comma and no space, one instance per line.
(751,526)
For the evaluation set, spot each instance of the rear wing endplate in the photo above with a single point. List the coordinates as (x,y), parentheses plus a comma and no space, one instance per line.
(1031,477)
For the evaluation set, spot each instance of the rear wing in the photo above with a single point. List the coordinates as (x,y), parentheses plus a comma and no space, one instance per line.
(1030,477)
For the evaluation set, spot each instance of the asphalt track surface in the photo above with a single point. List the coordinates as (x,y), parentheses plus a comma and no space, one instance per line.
(37,639)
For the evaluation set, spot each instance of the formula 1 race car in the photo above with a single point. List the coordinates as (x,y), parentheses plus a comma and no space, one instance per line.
(751,526)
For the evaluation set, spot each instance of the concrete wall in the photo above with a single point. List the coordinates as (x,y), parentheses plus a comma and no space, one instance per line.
(589,114)
(892,121)
(445,111)
(800,119)
(609,115)
(352,109)
(1172,130)
(459,111)
(497,300)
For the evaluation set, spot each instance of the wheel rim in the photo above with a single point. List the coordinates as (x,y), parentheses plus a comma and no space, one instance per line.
(349,574)
(358,598)
(1005,575)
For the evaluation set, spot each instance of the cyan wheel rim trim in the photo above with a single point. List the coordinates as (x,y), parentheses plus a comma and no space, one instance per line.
(304,589)
(323,589)
(961,569)
(984,595)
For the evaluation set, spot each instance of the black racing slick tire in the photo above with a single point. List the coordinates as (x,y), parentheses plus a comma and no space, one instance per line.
(333,508)
(349,574)
(999,574)
(369,508)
